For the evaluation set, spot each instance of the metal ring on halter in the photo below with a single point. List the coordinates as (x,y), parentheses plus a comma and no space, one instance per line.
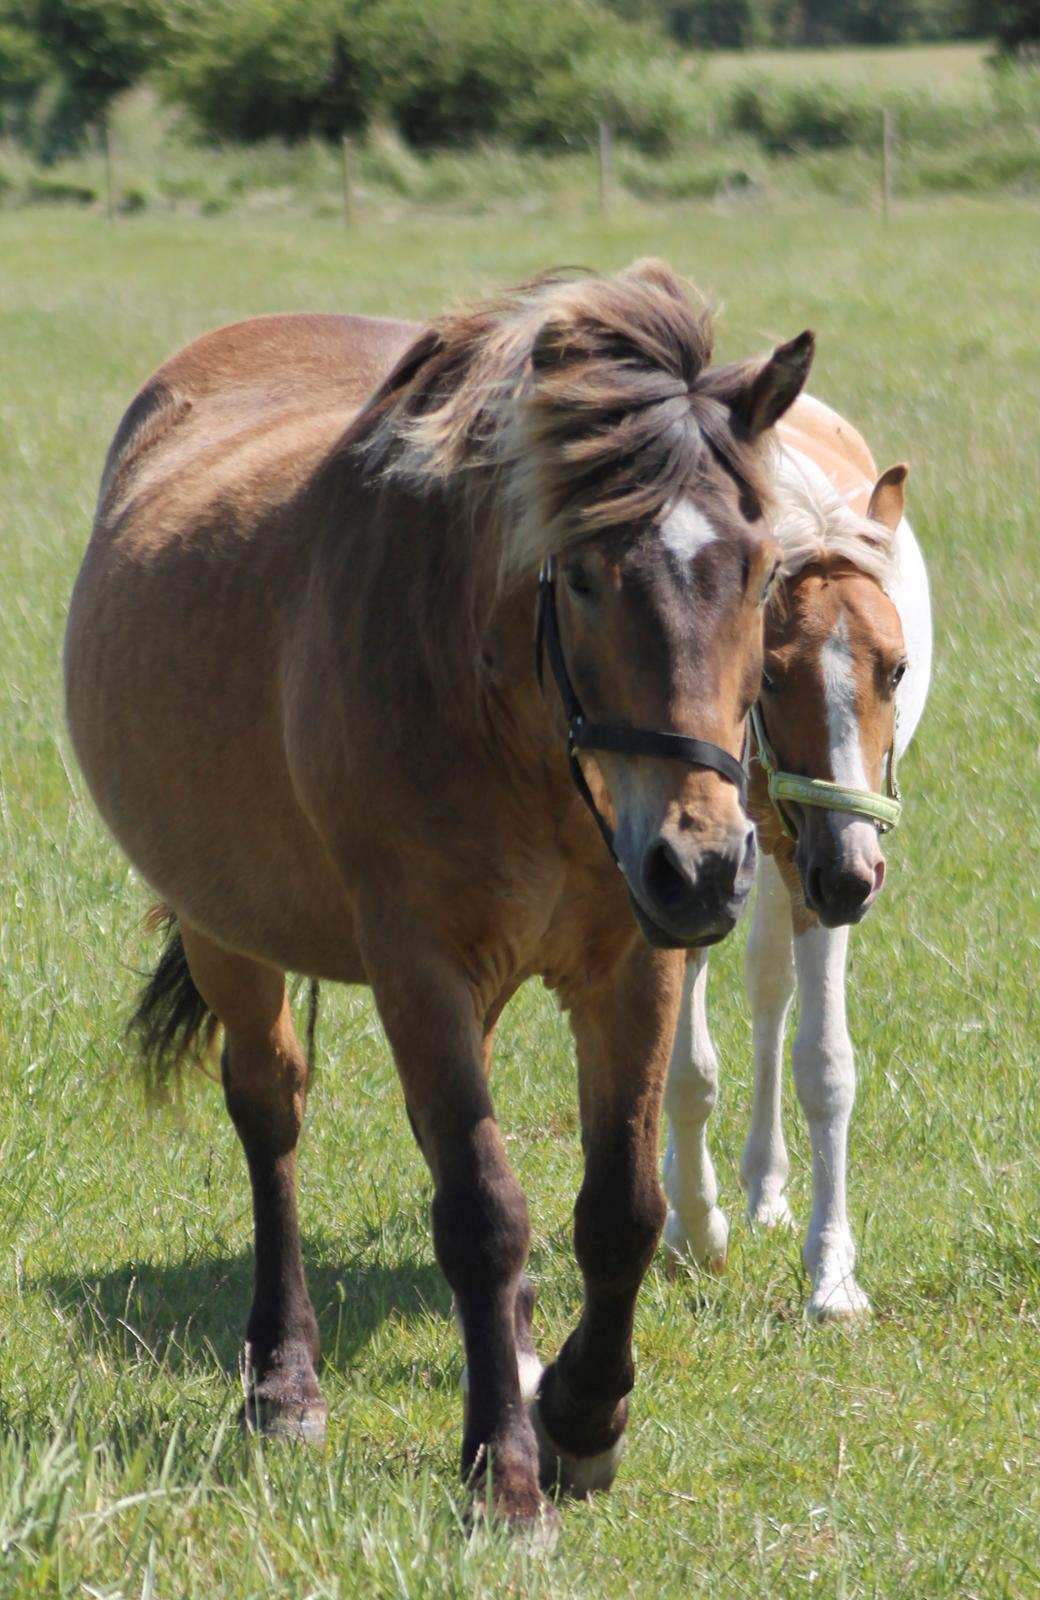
(584,735)
(883,809)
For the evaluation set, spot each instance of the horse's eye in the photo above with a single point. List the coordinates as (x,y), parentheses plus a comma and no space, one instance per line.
(768,586)
(897,676)
(577,580)
(768,683)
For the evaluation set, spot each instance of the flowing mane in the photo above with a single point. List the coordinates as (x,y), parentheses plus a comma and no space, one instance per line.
(583,402)
(813,521)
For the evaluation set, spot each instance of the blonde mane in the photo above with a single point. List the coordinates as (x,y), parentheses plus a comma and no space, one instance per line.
(813,521)
(582,404)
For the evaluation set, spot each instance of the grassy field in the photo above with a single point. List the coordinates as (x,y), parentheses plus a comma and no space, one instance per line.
(766,1457)
(960,66)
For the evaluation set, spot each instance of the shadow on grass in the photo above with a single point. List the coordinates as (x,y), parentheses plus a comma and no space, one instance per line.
(190,1313)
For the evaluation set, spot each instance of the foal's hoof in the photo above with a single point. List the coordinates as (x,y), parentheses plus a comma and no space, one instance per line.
(303,1420)
(578,1476)
(705,1246)
(840,1302)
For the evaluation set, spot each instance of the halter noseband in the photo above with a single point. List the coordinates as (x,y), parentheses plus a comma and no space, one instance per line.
(883,809)
(583,735)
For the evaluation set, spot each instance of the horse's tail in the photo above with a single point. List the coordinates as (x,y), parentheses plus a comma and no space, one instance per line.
(171,1021)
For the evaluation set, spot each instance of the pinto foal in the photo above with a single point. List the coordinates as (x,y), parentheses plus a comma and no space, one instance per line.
(847,665)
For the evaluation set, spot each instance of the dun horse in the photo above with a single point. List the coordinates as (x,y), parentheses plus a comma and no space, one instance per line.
(301,681)
(848,659)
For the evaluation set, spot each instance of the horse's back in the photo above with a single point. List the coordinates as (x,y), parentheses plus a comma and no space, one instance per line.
(292,381)
(189,611)
(836,447)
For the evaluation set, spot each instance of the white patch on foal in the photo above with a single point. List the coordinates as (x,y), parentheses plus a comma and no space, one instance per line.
(685,531)
(839,693)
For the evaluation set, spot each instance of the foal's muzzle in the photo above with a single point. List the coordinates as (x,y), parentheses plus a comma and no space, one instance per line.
(842,868)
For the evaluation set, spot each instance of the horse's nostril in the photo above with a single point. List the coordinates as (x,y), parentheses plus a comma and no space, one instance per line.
(663,877)
(747,861)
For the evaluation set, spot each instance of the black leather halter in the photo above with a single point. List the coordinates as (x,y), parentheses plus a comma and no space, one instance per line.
(583,735)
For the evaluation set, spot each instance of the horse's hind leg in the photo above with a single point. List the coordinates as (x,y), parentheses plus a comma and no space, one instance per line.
(265,1086)
(624,1032)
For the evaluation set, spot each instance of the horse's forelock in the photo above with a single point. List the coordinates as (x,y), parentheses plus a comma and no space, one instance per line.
(581,398)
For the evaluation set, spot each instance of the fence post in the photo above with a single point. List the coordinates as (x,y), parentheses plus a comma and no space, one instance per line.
(347,149)
(606,164)
(887,161)
(110,182)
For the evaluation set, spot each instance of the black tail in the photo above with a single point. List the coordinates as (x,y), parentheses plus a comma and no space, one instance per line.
(172,1022)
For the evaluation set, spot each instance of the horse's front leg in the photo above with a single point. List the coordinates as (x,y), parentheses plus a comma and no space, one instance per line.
(480,1227)
(695,1230)
(825,1077)
(769,976)
(624,1033)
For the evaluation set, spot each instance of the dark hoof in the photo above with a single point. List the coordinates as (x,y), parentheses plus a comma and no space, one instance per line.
(534,1532)
(304,1420)
(578,1476)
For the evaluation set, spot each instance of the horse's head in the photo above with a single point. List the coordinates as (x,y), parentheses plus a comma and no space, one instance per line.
(834,657)
(657,605)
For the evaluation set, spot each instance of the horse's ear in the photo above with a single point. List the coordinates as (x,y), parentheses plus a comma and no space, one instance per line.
(886,498)
(759,392)
(774,386)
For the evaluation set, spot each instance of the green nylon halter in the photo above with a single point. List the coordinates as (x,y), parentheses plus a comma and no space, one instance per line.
(884,809)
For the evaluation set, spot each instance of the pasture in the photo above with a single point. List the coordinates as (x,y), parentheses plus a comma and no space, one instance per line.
(765,1456)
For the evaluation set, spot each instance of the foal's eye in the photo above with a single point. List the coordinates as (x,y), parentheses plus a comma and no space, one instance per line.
(768,683)
(897,676)
(577,580)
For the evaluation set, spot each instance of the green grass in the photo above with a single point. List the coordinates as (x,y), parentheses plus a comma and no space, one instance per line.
(766,1457)
(948,67)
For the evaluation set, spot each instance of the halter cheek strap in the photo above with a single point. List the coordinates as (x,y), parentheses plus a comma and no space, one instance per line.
(883,809)
(584,735)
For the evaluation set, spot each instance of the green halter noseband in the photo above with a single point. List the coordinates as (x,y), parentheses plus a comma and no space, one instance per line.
(884,809)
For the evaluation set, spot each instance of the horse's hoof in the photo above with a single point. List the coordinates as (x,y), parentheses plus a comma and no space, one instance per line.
(770,1214)
(843,1302)
(301,1420)
(705,1247)
(578,1476)
(532,1532)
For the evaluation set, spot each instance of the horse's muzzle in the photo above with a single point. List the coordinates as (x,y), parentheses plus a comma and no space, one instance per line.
(842,869)
(691,898)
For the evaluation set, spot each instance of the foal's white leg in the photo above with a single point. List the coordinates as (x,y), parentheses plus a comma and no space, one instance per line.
(825,1077)
(696,1229)
(769,975)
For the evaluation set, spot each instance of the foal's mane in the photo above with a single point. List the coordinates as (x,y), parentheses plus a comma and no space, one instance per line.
(582,404)
(813,521)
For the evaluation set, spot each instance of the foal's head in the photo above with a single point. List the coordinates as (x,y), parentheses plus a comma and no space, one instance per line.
(834,658)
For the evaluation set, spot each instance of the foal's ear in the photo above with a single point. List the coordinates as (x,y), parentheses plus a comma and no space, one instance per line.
(774,386)
(886,498)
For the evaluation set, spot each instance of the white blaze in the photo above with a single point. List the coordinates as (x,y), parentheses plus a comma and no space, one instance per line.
(839,693)
(686,531)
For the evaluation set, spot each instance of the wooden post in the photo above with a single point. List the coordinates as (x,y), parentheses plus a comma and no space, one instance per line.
(110,182)
(347,148)
(606,164)
(887,161)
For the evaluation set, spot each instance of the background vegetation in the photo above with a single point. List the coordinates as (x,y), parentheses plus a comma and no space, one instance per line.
(766,1457)
(521,78)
